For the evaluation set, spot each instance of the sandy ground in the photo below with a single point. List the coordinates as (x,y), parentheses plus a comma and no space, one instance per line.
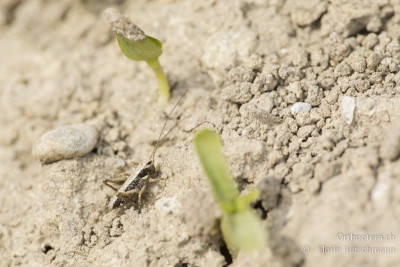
(329,175)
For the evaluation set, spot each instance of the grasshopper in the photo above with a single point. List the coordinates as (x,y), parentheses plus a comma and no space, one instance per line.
(144,173)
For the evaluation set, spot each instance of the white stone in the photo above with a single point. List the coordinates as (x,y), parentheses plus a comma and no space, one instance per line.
(168,205)
(380,193)
(299,106)
(348,107)
(65,143)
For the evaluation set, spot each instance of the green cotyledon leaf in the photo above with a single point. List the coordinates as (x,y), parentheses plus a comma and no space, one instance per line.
(209,150)
(147,49)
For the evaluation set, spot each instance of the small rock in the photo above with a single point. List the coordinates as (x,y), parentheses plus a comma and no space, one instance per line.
(342,69)
(314,95)
(381,192)
(65,143)
(362,85)
(294,187)
(397,78)
(370,40)
(237,93)
(348,107)
(264,82)
(299,106)
(255,62)
(119,163)
(305,131)
(290,74)
(241,74)
(112,135)
(319,60)
(274,157)
(313,186)
(117,228)
(294,146)
(390,147)
(303,118)
(358,63)
(168,205)
(295,88)
(373,60)
(305,13)
(299,57)
(393,47)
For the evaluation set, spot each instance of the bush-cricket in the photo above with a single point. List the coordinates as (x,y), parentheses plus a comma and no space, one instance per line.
(143,174)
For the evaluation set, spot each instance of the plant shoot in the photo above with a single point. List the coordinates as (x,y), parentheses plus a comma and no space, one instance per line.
(241,227)
(138,46)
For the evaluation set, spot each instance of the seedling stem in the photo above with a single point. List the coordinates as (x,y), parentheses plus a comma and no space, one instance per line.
(163,95)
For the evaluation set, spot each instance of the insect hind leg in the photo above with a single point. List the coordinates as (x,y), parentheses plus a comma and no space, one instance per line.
(117,181)
(140,194)
(127,195)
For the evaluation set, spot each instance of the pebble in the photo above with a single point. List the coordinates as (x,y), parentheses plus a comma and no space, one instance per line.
(348,107)
(237,93)
(390,147)
(168,205)
(358,63)
(313,186)
(274,157)
(299,106)
(117,228)
(65,143)
(305,131)
(381,192)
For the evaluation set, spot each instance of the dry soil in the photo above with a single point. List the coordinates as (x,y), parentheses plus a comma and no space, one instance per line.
(329,175)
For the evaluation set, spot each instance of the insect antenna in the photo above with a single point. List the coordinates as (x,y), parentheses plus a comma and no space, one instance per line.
(163,128)
(198,125)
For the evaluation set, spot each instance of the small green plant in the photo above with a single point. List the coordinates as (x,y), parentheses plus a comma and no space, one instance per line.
(240,225)
(138,46)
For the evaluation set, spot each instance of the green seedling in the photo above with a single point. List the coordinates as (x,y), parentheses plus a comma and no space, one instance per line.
(138,46)
(240,225)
